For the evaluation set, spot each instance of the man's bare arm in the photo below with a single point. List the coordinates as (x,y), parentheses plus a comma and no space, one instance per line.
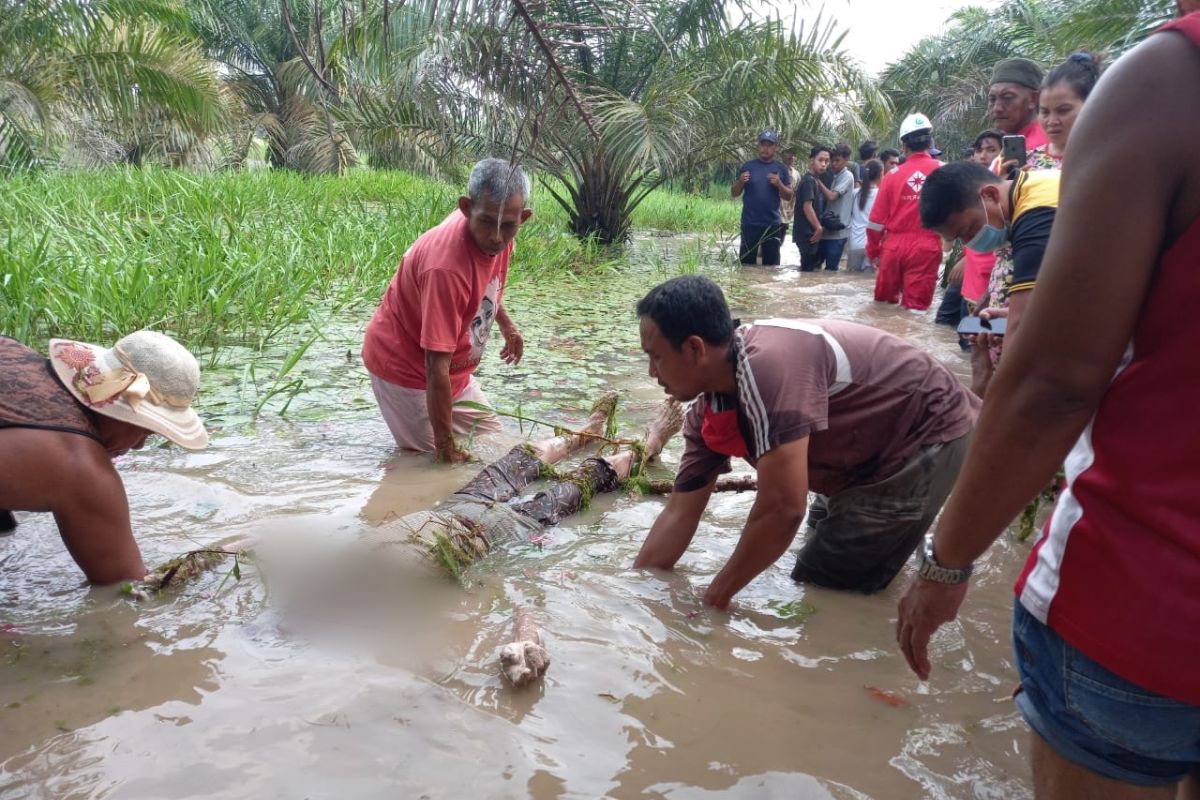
(92,512)
(774,519)
(674,529)
(1080,319)
(439,400)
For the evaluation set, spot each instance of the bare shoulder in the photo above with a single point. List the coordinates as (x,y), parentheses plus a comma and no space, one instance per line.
(39,468)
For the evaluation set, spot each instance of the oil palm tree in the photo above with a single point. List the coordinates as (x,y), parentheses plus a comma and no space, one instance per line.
(609,98)
(124,68)
(946,76)
(274,59)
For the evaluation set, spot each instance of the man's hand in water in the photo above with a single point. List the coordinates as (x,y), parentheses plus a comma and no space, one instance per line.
(925,607)
(451,453)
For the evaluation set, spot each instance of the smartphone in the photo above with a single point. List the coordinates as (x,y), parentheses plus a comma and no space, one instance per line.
(973,324)
(1013,149)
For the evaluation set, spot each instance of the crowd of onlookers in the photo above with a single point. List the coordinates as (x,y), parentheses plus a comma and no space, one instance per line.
(866,213)
(1092,387)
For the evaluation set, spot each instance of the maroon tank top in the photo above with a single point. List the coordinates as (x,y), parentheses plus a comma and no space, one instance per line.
(31,395)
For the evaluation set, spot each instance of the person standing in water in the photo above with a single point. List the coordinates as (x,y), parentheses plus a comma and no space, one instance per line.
(1103,377)
(765,183)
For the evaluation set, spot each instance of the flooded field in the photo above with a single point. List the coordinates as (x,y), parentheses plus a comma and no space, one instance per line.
(314,677)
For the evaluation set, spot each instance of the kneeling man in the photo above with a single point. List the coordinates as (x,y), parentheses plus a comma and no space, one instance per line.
(428,334)
(873,425)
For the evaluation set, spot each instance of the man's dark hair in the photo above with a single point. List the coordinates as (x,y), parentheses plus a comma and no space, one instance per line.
(889,153)
(867,150)
(791,151)
(918,141)
(967,152)
(951,189)
(991,133)
(817,149)
(841,150)
(690,305)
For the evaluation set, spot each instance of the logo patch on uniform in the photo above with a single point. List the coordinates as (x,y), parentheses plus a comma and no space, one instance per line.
(916,181)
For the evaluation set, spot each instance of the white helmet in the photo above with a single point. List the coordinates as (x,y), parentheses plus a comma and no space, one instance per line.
(913,123)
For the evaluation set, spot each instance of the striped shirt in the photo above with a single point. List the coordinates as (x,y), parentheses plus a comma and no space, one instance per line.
(866,399)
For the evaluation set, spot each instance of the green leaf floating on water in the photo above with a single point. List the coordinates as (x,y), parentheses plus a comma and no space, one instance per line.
(796,610)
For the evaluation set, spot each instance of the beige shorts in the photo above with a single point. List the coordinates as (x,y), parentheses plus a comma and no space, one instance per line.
(407,415)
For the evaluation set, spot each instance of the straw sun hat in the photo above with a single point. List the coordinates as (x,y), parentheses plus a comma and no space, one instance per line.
(146,379)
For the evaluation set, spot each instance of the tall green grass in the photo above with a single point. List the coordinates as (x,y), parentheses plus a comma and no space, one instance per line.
(241,257)
(675,211)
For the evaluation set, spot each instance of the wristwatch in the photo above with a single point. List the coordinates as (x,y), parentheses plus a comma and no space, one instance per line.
(931,570)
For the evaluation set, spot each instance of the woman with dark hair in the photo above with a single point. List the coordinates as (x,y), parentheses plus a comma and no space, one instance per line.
(1064,92)
(860,214)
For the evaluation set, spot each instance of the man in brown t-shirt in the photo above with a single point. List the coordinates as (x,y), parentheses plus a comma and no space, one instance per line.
(874,426)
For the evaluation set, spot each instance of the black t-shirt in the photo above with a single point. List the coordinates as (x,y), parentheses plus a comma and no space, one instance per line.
(807,191)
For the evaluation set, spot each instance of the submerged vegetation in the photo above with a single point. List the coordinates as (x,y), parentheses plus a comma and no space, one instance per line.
(240,257)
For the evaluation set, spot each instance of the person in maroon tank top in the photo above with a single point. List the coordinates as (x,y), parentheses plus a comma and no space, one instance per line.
(1103,379)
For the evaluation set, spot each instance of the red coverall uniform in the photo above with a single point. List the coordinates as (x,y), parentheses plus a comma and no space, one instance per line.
(908,255)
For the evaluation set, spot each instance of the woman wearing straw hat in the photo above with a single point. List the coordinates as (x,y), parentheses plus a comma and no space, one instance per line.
(63,420)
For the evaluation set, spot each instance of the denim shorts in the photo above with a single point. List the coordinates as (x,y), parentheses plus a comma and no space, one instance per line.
(1098,720)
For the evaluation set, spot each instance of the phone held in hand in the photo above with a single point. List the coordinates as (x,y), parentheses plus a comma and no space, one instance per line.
(1013,149)
(971,325)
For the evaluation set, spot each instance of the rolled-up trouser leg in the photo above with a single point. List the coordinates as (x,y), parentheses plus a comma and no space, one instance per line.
(870,531)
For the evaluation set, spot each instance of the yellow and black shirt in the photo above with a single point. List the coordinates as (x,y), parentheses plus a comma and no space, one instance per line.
(1033,200)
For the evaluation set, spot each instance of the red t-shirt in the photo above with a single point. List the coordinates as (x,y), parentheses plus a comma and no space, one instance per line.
(1034,135)
(444,297)
(1116,571)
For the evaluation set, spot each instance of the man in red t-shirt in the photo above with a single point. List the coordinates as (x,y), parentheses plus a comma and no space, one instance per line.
(1102,381)
(428,334)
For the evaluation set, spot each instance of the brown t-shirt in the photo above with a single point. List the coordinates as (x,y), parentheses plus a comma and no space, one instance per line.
(868,400)
(31,395)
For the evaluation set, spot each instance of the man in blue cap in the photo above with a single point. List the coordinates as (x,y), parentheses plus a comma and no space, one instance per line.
(762,183)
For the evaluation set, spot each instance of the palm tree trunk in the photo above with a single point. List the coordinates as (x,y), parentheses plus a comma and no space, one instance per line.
(602,209)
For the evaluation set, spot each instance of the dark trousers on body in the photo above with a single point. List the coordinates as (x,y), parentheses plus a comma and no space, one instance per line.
(768,239)
(861,537)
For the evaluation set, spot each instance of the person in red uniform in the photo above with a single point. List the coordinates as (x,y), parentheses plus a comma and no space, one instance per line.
(908,255)
(1104,378)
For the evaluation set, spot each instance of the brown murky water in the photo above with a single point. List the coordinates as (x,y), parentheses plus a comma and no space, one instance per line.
(312,678)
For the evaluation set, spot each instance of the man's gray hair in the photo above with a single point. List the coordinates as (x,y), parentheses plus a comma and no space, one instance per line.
(500,180)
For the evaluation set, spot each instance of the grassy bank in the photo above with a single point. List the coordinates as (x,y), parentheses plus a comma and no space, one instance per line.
(240,257)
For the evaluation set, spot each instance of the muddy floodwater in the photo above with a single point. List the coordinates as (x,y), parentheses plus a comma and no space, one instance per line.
(316,676)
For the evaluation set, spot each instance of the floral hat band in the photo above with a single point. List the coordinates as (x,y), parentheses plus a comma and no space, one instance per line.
(147,379)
